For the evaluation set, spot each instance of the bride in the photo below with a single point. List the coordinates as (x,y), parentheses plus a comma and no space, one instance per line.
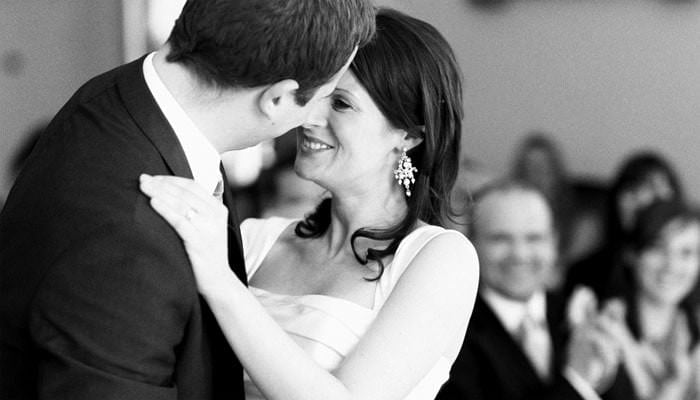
(368,297)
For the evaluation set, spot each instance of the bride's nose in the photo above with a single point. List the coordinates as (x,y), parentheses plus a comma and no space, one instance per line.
(318,114)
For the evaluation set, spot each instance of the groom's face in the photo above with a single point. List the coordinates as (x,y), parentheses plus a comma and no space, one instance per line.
(298,114)
(272,112)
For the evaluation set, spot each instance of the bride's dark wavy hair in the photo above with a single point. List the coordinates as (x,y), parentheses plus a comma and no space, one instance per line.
(411,73)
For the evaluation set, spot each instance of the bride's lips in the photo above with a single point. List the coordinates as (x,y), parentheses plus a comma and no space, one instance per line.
(309,143)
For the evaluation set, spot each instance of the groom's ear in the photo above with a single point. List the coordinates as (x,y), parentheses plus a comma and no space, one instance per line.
(278,99)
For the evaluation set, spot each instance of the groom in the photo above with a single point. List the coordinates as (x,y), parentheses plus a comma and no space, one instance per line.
(97,299)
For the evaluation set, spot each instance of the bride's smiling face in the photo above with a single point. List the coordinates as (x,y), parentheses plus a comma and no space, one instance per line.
(347,143)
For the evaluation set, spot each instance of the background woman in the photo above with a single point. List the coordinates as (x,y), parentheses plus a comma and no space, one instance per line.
(660,342)
(643,178)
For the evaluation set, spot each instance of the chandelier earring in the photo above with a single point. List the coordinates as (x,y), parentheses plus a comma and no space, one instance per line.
(404,172)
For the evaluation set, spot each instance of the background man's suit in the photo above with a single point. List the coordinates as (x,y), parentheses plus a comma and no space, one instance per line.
(97,298)
(492,366)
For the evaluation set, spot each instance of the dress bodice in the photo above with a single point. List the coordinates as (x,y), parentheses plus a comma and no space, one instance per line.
(328,328)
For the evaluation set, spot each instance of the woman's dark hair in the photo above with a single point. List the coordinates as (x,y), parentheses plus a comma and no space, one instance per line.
(248,43)
(633,172)
(542,141)
(410,72)
(652,220)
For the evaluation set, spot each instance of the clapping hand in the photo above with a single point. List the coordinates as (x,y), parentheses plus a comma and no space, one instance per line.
(679,379)
(593,352)
(650,376)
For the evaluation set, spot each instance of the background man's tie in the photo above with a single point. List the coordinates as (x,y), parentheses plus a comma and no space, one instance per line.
(536,343)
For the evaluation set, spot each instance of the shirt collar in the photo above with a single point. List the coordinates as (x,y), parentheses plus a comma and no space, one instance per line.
(201,155)
(511,312)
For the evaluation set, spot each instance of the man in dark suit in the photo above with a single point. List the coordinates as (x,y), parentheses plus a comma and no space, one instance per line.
(517,345)
(97,299)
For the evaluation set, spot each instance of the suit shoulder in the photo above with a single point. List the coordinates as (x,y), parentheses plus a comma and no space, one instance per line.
(106,80)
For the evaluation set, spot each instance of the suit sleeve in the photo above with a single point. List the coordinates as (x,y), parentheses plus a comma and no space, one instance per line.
(109,315)
(562,389)
(467,379)
(471,378)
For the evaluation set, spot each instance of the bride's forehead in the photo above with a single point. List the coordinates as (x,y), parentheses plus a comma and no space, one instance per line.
(349,83)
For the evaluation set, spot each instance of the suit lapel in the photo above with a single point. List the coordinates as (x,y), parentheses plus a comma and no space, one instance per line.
(140,104)
(506,356)
(558,329)
(145,111)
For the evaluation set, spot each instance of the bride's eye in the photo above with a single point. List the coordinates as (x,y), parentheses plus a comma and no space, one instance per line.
(339,104)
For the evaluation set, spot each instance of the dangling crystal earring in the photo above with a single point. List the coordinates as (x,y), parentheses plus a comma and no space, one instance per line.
(404,172)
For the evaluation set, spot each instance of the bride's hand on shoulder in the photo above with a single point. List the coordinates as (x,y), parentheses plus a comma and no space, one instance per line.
(198,217)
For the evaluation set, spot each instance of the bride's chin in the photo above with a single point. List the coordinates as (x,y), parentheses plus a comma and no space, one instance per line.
(308,174)
(301,169)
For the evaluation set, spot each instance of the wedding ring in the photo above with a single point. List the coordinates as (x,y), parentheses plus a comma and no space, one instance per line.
(190,213)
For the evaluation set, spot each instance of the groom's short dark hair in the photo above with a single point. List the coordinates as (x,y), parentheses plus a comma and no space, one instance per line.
(248,43)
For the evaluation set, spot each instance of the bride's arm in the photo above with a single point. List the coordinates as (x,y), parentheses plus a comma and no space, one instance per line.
(426,311)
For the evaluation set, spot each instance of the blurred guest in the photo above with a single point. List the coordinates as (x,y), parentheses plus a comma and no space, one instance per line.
(660,342)
(290,196)
(244,169)
(472,176)
(539,160)
(23,151)
(26,147)
(517,345)
(641,179)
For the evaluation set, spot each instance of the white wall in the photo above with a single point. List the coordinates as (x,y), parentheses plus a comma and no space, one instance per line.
(606,77)
(61,44)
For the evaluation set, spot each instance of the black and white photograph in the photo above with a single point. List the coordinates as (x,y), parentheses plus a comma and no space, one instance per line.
(350,200)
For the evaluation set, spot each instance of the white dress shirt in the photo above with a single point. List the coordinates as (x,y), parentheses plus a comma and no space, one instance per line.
(511,313)
(200,153)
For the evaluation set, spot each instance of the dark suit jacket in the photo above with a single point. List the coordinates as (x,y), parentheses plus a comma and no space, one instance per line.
(492,366)
(97,297)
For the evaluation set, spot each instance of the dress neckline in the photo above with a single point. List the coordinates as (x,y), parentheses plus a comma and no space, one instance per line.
(282,225)
(313,298)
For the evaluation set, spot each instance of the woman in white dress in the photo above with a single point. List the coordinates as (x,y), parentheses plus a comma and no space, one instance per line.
(368,297)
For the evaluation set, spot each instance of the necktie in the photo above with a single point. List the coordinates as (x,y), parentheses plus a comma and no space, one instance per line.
(235,246)
(536,343)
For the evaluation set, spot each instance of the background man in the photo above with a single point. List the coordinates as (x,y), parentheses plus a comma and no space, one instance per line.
(516,346)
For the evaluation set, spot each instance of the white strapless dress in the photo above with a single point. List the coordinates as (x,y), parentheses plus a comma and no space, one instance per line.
(326,327)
